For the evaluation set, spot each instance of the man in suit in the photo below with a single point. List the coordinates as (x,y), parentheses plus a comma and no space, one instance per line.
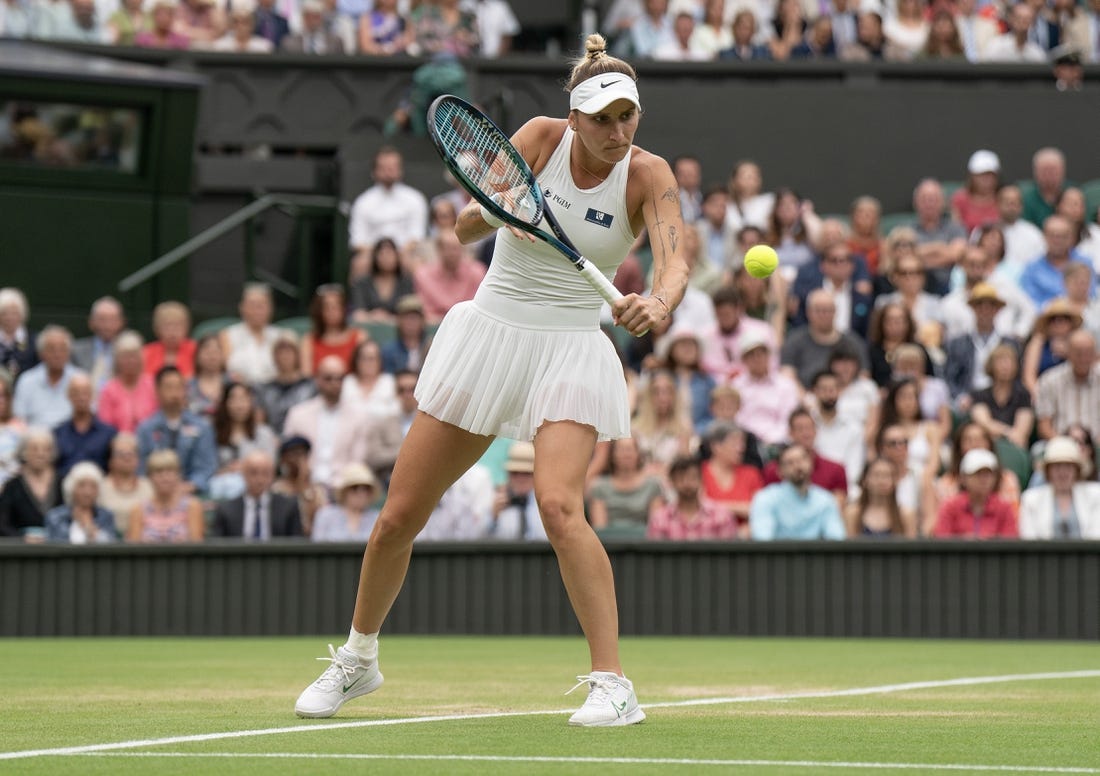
(270,24)
(340,432)
(95,354)
(314,37)
(259,514)
(174,427)
(964,367)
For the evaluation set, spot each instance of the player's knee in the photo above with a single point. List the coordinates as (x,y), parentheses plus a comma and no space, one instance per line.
(395,527)
(561,513)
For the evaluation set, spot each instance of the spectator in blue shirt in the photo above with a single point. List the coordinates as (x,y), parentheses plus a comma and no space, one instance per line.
(795,508)
(41,393)
(83,437)
(175,428)
(1043,279)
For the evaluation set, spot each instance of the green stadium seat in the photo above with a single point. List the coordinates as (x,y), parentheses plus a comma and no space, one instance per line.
(300,325)
(949,188)
(1015,459)
(622,532)
(890,220)
(212,326)
(1091,191)
(381,332)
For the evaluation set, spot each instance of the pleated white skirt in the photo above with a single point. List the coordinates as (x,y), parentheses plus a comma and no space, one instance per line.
(499,367)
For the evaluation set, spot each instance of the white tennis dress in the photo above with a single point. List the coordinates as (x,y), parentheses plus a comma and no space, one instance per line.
(528,348)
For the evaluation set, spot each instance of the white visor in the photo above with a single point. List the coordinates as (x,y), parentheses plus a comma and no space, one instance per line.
(599,91)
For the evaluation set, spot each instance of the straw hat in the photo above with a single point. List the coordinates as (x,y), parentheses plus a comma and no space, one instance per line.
(1056,307)
(1062,449)
(521,458)
(984,292)
(355,474)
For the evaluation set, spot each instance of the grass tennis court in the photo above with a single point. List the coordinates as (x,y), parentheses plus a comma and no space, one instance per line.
(776,707)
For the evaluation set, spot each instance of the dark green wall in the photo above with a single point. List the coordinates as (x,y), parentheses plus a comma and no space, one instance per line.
(999,590)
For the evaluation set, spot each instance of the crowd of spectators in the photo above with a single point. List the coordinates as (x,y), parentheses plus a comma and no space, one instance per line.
(482,28)
(941,379)
(1062,32)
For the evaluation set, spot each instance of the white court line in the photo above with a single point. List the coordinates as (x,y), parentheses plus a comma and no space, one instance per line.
(613,761)
(306,727)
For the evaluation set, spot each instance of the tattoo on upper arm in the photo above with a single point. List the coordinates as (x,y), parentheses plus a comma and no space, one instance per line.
(671,195)
(673,238)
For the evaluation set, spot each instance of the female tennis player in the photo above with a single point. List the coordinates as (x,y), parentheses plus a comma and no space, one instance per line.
(525,359)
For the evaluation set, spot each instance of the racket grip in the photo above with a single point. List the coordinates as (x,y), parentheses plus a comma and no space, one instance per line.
(600,282)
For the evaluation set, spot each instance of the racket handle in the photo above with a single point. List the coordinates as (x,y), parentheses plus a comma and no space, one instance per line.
(600,282)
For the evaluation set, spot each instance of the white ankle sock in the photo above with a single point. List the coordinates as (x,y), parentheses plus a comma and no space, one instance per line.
(365,645)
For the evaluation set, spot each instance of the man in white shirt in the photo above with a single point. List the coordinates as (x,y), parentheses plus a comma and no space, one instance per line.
(838,436)
(496,26)
(1014,45)
(1017,312)
(679,49)
(1024,241)
(389,208)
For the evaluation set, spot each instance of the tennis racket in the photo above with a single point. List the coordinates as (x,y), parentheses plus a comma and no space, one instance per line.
(489,167)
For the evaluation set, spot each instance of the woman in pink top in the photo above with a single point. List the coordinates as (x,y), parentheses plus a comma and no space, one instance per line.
(128,398)
(975,204)
(171,515)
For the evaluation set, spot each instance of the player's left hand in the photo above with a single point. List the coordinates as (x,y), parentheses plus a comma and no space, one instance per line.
(638,314)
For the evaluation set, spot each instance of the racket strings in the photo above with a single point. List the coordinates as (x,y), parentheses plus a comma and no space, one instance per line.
(486,158)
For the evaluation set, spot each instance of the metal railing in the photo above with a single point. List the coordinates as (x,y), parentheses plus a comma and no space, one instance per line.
(292,204)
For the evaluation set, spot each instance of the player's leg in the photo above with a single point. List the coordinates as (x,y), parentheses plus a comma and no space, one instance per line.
(432,457)
(562,453)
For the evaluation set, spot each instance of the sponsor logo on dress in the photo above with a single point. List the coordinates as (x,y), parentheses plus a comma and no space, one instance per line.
(599,218)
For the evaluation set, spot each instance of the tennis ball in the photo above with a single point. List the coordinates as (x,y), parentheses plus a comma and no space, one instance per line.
(761,261)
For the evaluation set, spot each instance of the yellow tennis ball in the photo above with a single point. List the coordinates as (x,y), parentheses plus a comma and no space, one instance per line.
(761,261)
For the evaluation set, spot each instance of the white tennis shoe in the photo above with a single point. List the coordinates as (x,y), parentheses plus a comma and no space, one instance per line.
(611,701)
(345,678)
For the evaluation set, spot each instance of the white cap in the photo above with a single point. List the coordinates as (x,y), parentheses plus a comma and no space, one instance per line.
(983,161)
(753,341)
(978,459)
(1062,449)
(599,91)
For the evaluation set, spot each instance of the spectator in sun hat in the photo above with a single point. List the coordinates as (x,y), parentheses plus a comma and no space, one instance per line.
(1066,507)
(967,353)
(352,516)
(977,512)
(975,203)
(1049,342)
(515,512)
